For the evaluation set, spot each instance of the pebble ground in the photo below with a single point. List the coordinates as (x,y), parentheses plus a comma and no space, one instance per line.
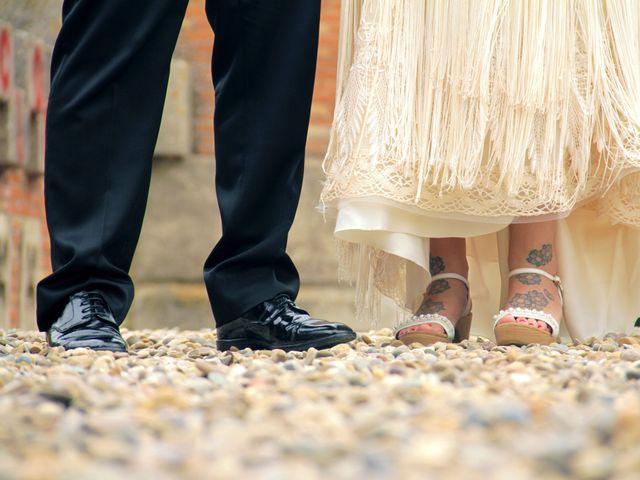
(175,407)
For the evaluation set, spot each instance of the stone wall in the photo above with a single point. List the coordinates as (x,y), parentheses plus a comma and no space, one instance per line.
(181,225)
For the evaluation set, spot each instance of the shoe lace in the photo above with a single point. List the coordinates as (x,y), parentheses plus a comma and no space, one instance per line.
(94,307)
(283,302)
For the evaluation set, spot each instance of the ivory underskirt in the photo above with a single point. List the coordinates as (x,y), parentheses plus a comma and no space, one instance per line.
(599,263)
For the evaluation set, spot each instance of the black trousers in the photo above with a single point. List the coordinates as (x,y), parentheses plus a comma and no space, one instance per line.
(108,83)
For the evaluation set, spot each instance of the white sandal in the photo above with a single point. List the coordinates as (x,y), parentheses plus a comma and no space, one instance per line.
(453,333)
(520,334)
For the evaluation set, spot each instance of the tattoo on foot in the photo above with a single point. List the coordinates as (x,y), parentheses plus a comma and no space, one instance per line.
(528,278)
(549,295)
(542,256)
(436,265)
(534,299)
(430,306)
(439,286)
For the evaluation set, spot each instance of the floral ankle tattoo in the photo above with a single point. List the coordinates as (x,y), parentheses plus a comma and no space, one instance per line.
(439,286)
(436,264)
(533,300)
(542,256)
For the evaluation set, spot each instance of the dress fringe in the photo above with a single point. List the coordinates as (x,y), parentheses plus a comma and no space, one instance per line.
(537,100)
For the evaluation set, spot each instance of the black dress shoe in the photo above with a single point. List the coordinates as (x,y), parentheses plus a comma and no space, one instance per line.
(280,323)
(87,322)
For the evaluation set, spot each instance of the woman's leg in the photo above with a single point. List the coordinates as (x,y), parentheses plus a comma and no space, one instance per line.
(533,245)
(446,297)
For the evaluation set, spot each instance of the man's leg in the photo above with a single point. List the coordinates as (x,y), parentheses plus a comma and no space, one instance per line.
(109,76)
(263,71)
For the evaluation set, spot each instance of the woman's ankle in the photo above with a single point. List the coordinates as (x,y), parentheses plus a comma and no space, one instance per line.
(448,255)
(533,245)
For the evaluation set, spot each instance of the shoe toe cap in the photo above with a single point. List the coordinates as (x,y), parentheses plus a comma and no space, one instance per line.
(317,326)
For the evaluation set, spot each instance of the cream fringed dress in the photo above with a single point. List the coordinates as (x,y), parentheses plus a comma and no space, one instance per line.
(457,118)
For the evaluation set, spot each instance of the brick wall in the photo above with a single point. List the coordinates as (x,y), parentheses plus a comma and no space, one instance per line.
(24,247)
(325,87)
(195,46)
(20,200)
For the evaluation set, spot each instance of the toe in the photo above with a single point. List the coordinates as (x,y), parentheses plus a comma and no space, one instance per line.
(543,326)
(529,322)
(507,319)
(427,328)
(431,328)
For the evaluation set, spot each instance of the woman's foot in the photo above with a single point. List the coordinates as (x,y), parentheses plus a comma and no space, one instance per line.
(535,292)
(447,296)
(532,245)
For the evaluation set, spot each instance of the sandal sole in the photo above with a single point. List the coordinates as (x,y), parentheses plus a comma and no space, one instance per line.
(423,338)
(520,335)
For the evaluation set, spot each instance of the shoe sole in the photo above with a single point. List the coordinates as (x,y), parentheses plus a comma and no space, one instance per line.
(520,335)
(114,349)
(253,344)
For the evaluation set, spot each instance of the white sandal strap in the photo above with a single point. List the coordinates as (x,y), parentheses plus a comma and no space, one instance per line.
(431,318)
(555,279)
(529,313)
(455,276)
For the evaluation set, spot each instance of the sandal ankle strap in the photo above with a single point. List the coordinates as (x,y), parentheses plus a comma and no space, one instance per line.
(554,278)
(453,276)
